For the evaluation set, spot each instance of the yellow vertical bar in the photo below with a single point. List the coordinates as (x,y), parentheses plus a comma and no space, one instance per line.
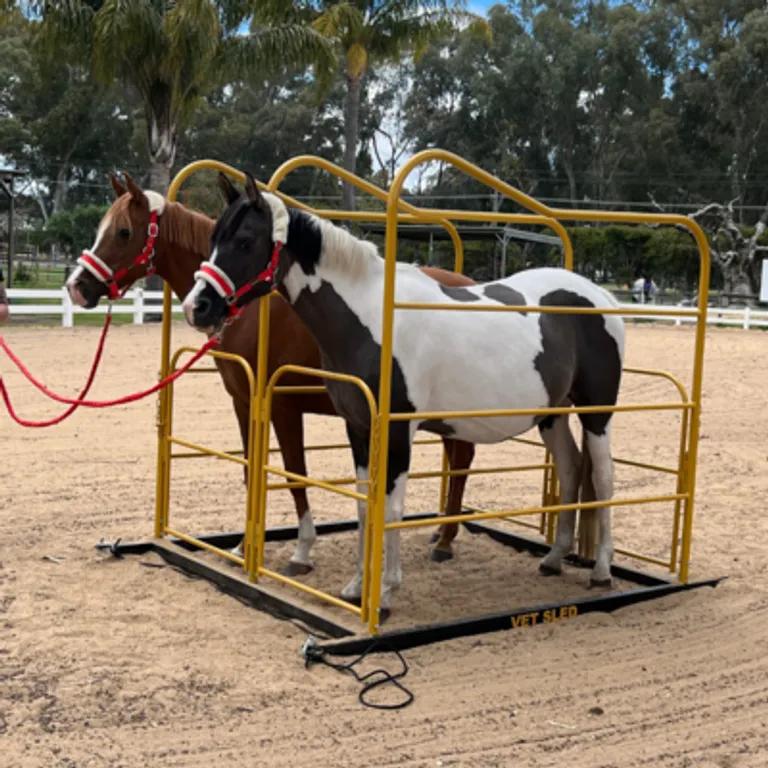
(368,540)
(680,488)
(255,545)
(164,405)
(385,398)
(253,469)
(544,493)
(696,389)
(444,480)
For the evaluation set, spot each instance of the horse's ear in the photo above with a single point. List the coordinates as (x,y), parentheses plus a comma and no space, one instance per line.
(117,185)
(135,190)
(251,189)
(228,189)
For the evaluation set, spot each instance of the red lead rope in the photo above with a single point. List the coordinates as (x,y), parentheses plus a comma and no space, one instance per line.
(76,402)
(66,414)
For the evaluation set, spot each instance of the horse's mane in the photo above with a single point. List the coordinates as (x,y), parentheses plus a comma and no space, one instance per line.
(186,228)
(341,249)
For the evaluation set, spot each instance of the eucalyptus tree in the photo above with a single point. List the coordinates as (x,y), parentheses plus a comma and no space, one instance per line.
(722,92)
(172,54)
(55,122)
(365,33)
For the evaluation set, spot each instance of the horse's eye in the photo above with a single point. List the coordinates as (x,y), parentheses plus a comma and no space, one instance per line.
(243,245)
(124,234)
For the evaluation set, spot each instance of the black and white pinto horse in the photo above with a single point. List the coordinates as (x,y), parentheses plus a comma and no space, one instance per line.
(443,361)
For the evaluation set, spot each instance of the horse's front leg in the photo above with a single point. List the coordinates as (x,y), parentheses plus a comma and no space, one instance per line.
(460,455)
(288,423)
(397,473)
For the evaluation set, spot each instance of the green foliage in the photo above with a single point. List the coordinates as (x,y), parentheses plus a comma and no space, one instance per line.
(620,254)
(72,230)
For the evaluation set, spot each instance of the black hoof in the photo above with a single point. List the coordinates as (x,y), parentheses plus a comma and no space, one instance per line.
(384,614)
(600,583)
(296,569)
(351,600)
(548,570)
(440,555)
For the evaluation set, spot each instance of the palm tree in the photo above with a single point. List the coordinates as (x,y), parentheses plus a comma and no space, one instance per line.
(173,53)
(365,32)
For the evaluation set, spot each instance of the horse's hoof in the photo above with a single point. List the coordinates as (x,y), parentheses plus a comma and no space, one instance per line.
(384,614)
(440,555)
(548,570)
(297,569)
(600,583)
(357,600)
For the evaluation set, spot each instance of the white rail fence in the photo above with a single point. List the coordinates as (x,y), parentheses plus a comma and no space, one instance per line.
(138,303)
(56,302)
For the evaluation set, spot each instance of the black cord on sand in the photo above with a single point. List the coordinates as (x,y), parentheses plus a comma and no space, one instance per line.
(315,654)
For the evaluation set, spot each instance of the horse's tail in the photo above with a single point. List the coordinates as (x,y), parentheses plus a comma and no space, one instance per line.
(587,517)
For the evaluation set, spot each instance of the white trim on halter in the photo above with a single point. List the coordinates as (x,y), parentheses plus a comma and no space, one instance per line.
(156,201)
(95,266)
(216,277)
(280,217)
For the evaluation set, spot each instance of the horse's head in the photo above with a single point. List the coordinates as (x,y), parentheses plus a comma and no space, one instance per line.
(124,246)
(245,250)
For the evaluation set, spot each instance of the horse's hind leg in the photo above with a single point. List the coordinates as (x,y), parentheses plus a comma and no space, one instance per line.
(289,430)
(359,444)
(599,447)
(460,455)
(557,436)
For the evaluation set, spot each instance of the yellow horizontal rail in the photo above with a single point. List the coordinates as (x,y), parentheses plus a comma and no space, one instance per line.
(425,475)
(662,375)
(316,483)
(643,558)
(198,455)
(319,594)
(526,309)
(301,390)
(643,465)
(555,508)
(205,545)
(204,451)
(557,411)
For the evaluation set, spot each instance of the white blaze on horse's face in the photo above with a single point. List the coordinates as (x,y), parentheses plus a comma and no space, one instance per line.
(71,284)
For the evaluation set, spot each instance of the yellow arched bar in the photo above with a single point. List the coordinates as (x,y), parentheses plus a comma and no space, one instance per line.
(390,304)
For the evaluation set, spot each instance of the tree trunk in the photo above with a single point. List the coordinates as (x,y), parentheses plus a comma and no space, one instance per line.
(568,168)
(161,138)
(60,193)
(351,135)
(162,152)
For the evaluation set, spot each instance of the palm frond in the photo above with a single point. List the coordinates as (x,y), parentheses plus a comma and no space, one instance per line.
(128,36)
(341,21)
(66,25)
(272,49)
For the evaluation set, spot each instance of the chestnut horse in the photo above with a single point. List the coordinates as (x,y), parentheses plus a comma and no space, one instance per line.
(182,242)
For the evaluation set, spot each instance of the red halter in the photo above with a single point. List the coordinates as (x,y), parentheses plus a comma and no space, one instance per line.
(220,281)
(104,274)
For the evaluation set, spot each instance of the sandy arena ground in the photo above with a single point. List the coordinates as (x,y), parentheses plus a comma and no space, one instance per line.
(107,662)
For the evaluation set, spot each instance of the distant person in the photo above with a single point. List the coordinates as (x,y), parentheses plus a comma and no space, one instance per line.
(3,299)
(650,289)
(637,290)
